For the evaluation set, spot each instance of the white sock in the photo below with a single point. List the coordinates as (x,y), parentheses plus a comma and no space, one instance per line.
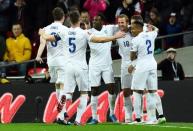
(94,103)
(128,108)
(81,108)
(137,104)
(111,99)
(57,93)
(159,104)
(151,106)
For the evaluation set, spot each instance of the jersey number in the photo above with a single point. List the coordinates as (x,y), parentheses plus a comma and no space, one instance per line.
(54,43)
(72,45)
(126,43)
(148,43)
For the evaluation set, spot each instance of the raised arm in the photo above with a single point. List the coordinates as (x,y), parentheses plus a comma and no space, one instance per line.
(97,39)
(149,27)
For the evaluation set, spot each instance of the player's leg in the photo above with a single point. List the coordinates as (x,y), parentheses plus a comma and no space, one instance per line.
(94,82)
(126,87)
(159,108)
(83,85)
(67,90)
(94,104)
(60,71)
(53,79)
(151,97)
(108,77)
(138,85)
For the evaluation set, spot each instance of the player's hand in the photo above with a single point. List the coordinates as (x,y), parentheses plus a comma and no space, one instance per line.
(119,34)
(149,27)
(41,31)
(39,59)
(131,68)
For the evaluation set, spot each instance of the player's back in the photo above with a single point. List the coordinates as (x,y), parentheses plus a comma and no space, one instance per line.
(77,43)
(144,43)
(56,54)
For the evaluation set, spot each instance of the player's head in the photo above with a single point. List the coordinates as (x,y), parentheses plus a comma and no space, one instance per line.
(58,14)
(123,21)
(16,29)
(98,21)
(84,16)
(74,17)
(136,28)
(136,18)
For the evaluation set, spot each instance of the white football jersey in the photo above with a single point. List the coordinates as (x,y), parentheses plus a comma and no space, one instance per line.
(101,52)
(56,55)
(76,40)
(124,49)
(143,44)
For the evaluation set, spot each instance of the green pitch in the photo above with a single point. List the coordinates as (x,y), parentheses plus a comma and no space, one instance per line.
(99,127)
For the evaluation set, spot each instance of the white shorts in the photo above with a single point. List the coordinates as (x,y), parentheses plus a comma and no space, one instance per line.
(145,80)
(57,74)
(126,78)
(96,72)
(75,75)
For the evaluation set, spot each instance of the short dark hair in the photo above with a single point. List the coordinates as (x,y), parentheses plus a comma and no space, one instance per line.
(17,23)
(84,11)
(103,18)
(74,16)
(58,13)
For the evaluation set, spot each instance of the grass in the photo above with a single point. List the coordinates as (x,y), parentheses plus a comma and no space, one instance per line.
(99,127)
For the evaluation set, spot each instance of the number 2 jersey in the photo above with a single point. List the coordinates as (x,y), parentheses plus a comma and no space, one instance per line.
(143,44)
(56,52)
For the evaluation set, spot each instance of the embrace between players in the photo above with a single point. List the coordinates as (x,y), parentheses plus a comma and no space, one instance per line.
(66,58)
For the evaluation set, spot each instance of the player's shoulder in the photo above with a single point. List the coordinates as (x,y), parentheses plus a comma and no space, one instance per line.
(137,38)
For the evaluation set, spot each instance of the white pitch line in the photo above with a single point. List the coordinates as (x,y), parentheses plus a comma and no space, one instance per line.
(184,127)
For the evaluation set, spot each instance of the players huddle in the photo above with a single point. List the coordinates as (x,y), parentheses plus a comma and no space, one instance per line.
(66,58)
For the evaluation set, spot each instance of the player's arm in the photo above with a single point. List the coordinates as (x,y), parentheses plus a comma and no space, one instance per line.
(45,36)
(149,27)
(133,57)
(40,50)
(97,39)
